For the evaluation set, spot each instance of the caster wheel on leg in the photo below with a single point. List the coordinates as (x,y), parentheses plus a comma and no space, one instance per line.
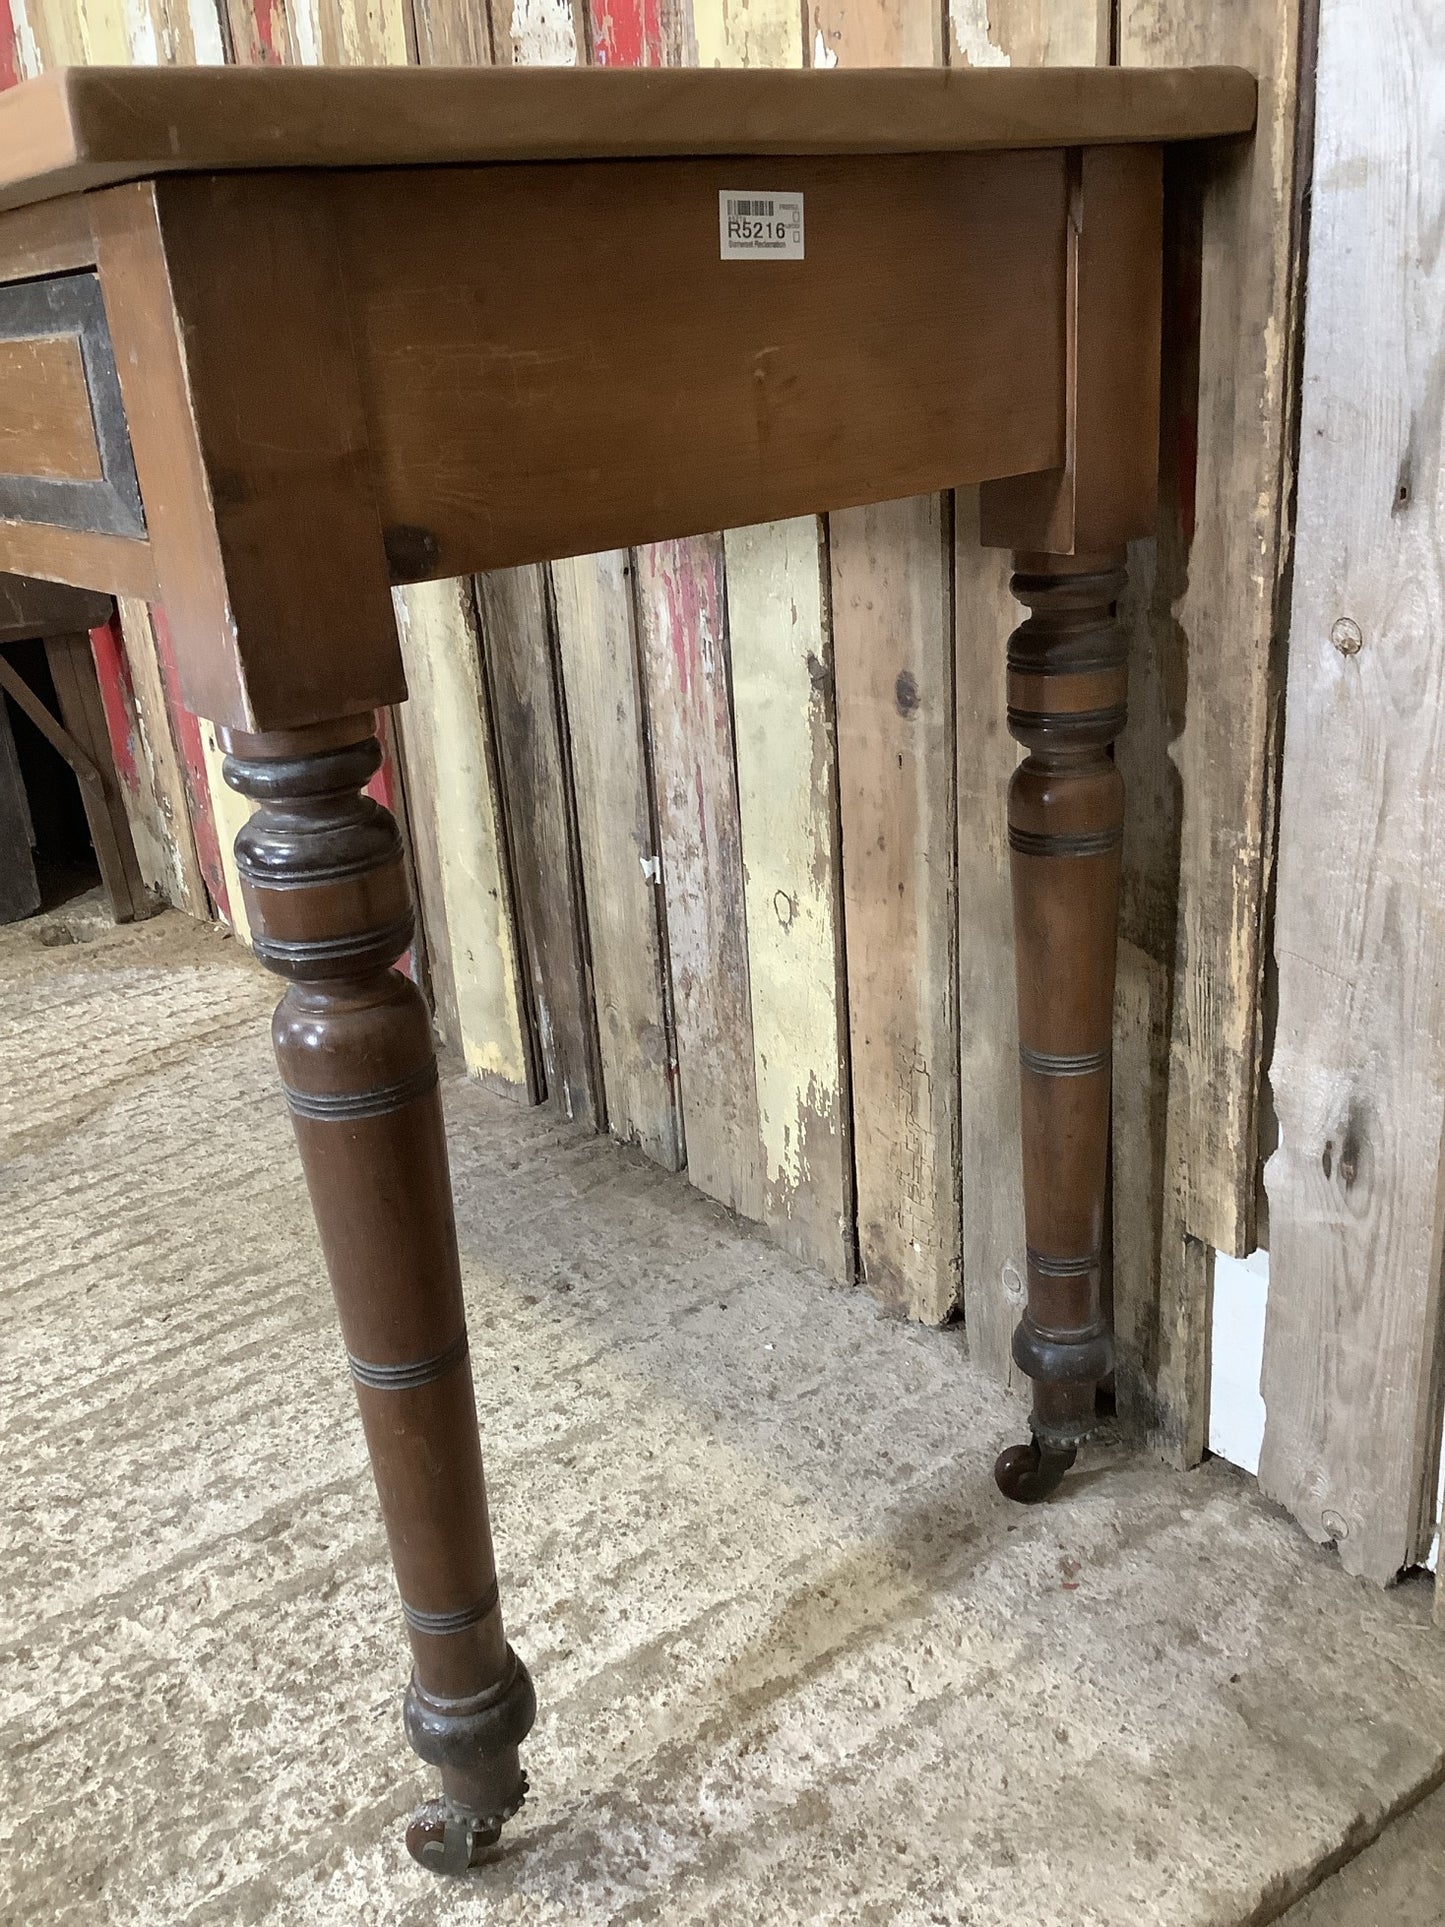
(1028,1473)
(446,1838)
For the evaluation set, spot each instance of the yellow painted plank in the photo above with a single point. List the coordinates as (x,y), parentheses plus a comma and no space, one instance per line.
(158,812)
(787,800)
(777,621)
(230,812)
(452,785)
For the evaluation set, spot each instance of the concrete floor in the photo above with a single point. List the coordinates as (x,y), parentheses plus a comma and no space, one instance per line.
(797,1661)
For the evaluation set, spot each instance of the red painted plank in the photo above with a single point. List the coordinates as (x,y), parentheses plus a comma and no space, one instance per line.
(628,33)
(118,700)
(9,62)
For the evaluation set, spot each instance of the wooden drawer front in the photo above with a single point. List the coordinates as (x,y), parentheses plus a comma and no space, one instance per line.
(65,456)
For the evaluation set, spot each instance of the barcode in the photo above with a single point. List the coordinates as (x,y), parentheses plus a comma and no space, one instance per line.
(739,210)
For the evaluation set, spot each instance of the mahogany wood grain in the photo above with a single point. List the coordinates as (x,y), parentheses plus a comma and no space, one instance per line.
(324,876)
(1066,691)
(514,413)
(84,127)
(1107,491)
(243,454)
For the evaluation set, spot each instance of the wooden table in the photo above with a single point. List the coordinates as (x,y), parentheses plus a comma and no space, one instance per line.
(272,341)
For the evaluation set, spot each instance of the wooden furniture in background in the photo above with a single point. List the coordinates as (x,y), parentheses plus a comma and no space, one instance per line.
(62,617)
(498,393)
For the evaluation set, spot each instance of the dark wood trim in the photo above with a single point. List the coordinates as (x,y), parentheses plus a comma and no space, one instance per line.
(71,305)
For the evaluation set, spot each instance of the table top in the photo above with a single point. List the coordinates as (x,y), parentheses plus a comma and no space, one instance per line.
(85,127)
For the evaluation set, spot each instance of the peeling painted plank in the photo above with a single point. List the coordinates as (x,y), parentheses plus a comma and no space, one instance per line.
(157,801)
(894,662)
(449,765)
(876,33)
(683,647)
(777,624)
(186,732)
(537,33)
(788,807)
(598,652)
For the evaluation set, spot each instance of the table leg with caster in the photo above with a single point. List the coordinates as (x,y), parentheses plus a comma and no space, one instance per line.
(326,889)
(1067,685)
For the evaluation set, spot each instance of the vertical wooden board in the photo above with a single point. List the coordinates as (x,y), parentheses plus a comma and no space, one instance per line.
(876,33)
(230,811)
(598,652)
(990,1161)
(452,33)
(788,808)
(536,785)
(77,691)
(678,594)
(748,33)
(1141,1089)
(894,666)
(782,623)
(537,33)
(891,573)
(1029,33)
(1198,754)
(156,798)
(449,765)
(638,33)
(1353,1334)
(19,886)
(186,734)
(683,648)
(146,33)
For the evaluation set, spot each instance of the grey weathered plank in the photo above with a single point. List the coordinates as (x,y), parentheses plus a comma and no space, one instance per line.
(1353,1336)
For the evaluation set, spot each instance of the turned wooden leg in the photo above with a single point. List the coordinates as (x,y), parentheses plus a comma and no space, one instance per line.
(326,890)
(1066,696)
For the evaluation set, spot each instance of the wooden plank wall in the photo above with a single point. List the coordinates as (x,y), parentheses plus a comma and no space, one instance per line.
(1353,1339)
(709,837)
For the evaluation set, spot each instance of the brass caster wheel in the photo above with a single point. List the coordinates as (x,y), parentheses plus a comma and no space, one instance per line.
(1028,1473)
(446,1838)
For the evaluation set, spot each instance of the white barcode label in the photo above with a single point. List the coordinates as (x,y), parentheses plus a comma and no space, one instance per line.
(757,226)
